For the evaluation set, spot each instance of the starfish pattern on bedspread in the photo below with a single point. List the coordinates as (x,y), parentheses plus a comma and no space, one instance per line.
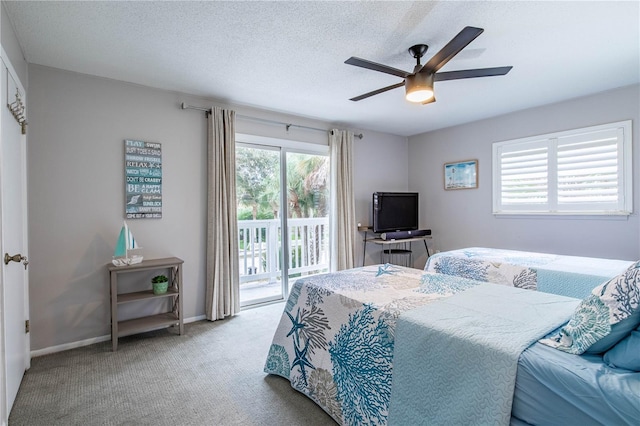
(385,269)
(301,359)
(296,322)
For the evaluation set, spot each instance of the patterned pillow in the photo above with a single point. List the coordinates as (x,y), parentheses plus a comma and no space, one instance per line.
(604,317)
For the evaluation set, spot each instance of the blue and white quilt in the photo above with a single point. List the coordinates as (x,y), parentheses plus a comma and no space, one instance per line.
(335,340)
(571,276)
(456,360)
(343,334)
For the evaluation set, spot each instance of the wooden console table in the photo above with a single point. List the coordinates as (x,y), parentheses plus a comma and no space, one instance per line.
(151,322)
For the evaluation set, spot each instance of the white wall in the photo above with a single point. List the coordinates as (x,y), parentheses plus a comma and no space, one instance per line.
(463,218)
(77,124)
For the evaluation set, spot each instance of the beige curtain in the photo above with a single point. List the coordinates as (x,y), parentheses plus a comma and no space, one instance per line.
(344,210)
(223,274)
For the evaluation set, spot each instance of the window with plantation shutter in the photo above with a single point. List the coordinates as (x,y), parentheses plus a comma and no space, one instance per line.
(582,171)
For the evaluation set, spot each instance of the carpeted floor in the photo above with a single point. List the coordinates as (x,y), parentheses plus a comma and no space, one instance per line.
(211,375)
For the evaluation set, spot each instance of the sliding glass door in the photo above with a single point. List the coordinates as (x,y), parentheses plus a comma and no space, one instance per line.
(259,195)
(283,234)
(308,198)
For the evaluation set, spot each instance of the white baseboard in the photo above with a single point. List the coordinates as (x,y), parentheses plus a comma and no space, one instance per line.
(93,340)
(72,345)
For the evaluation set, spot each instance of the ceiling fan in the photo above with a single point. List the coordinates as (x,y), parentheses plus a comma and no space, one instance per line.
(419,83)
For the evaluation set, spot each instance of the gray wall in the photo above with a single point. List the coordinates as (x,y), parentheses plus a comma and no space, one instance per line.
(77,125)
(380,165)
(463,218)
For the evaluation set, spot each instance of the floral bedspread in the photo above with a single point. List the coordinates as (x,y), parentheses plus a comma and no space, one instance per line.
(335,339)
(571,276)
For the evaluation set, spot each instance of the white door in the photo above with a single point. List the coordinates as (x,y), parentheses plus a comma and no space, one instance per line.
(14,279)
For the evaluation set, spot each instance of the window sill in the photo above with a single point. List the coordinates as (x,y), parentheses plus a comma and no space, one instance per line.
(563,215)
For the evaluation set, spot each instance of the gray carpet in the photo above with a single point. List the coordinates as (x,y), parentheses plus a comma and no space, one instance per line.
(211,375)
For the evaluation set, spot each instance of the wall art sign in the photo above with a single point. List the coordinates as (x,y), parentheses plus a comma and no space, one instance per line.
(461,175)
(143,179)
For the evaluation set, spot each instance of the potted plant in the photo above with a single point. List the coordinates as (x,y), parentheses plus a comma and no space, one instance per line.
(160,284)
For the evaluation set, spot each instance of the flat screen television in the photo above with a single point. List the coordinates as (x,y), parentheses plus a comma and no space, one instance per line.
(395,211)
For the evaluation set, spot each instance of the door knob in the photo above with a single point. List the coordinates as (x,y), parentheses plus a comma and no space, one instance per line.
(16,258)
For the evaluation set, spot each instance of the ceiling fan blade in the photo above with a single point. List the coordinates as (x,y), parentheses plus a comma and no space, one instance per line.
(376,92)
(480,72)
(375,66)
(459,42)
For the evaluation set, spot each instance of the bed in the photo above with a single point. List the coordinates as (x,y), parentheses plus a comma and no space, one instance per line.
(364,345)
(572,276)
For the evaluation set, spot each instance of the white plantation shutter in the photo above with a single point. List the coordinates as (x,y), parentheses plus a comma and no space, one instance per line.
(588,171)
(524,177)
(583,171)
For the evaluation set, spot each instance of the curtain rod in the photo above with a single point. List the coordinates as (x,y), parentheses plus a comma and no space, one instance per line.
(264,120)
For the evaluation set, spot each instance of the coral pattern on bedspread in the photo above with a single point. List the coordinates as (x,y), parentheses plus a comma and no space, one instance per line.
(571,276)
(335,339)
(491,265)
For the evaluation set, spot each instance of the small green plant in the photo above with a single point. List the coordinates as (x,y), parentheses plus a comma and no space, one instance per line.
(159,279)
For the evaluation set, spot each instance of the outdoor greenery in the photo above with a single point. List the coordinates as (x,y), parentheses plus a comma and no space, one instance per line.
(258,191)
(258,184)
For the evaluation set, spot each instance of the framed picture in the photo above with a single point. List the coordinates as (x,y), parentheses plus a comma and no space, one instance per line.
(143,179)
(461,175)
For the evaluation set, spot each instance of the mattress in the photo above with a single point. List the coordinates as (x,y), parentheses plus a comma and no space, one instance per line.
(554,387)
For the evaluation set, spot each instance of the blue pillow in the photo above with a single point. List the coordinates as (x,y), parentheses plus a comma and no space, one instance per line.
(626,354)
(618,332)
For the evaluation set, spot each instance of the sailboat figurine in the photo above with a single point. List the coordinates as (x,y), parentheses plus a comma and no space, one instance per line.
(126,242)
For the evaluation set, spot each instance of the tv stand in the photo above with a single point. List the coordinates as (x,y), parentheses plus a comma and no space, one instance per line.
(398,252)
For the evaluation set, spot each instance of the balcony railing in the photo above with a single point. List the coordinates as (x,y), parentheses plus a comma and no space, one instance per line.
(260,243)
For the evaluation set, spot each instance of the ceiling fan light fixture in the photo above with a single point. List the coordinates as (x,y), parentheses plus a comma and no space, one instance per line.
(419,87)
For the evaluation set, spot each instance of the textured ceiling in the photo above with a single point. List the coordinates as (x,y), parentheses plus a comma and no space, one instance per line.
(289,56)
